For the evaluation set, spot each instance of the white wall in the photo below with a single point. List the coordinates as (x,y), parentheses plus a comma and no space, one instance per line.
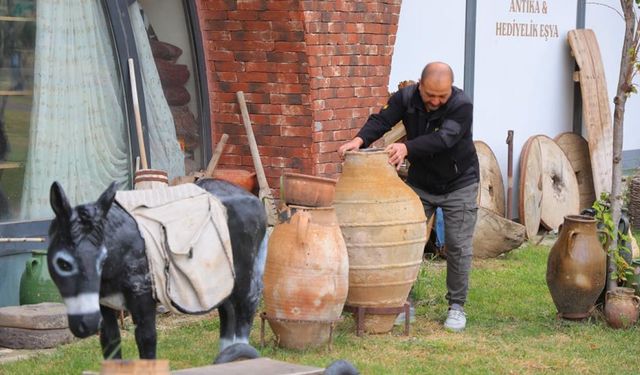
(523,83)
(609,28)
(428,30)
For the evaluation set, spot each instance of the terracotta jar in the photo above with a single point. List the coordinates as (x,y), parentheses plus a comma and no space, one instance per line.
(384,226)
(621,307)
(305,277)
(576,267)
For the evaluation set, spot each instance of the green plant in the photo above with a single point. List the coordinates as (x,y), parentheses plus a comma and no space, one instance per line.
(623,270)
(420,289)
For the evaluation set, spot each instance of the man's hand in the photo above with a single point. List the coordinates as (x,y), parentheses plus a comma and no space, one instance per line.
(397,152)
(353,144)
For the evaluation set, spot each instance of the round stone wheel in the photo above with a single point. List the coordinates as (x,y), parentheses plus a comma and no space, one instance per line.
(576,149)
(491,192)
(530,187)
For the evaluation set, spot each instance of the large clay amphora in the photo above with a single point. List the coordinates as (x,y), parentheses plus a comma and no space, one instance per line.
(384,226)
(621,307)
(36,285)
(576,267)
(305,277)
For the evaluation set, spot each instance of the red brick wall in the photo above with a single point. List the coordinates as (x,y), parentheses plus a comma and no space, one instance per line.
(311,71)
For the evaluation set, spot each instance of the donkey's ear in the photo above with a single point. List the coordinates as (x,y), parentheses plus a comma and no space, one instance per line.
(107,197)
(59,202)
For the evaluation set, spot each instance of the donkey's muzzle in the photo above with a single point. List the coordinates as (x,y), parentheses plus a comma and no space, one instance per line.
(84,325)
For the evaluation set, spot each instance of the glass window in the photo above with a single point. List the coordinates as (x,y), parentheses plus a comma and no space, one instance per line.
(171,45)
(63,105)
(17,44)
(64,114)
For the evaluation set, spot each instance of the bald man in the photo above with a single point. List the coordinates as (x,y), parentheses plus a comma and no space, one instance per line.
(443,167)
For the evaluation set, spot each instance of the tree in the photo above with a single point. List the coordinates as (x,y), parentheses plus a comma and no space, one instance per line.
(629,66)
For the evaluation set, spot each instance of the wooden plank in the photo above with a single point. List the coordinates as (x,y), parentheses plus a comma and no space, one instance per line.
(9,165)
(595,107)
(17,19)
(262,366)
(16,92)
(394,135)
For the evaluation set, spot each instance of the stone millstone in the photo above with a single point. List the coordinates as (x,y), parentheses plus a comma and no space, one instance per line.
(576,149)
(21,338)
(495,235)
(45,315)
(491,191)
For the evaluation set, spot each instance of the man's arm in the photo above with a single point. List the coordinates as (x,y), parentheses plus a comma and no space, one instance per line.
(381,122)
(376,125)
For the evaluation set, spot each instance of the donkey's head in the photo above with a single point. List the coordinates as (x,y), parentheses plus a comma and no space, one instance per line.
(76,255)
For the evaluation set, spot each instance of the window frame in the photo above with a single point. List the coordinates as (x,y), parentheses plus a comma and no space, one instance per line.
(117,13)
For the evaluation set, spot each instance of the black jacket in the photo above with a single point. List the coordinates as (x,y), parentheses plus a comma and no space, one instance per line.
(439,144)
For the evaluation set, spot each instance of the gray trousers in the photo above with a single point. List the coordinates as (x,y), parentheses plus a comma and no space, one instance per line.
(460,210)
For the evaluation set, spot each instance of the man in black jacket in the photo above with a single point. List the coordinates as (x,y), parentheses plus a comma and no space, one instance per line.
(443,168)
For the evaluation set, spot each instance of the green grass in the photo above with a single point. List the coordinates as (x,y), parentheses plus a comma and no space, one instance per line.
(512,328)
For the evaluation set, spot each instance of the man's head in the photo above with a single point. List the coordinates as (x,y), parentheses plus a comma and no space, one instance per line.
(435,85)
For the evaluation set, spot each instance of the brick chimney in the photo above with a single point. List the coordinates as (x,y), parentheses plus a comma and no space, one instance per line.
(311,71)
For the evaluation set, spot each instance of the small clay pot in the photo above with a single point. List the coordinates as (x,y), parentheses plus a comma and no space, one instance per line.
(306,190)
(621,308)
(245,179)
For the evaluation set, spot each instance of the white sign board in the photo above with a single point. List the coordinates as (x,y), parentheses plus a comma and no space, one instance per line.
(523,74)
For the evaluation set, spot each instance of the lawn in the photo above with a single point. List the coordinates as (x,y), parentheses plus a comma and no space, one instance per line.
(512,328)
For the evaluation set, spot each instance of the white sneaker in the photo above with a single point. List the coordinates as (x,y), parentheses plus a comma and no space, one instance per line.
(456,320)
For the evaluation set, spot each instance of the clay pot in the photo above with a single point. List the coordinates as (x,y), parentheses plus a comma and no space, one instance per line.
(621,308)
(36,285)
(306,190)
(576,267)
(384,226)
(305,277)
(245,179)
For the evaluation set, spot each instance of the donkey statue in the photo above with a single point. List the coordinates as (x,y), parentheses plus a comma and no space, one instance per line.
(97,254)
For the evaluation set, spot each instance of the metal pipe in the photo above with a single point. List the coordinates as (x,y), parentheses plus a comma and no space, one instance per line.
(510,175)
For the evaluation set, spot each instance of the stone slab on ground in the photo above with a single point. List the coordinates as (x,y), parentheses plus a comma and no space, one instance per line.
(45,315)
(22,338)
(11,355)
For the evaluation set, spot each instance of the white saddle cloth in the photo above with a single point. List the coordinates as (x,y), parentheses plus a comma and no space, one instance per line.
(187,243)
